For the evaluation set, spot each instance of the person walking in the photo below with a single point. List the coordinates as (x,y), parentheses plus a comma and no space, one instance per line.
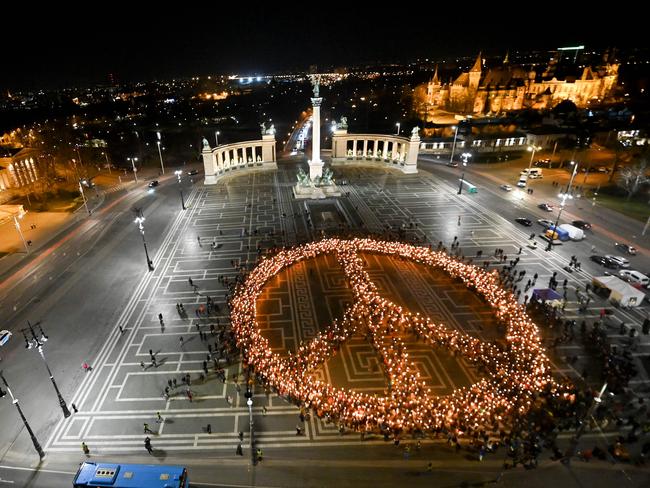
(259,454)
(180,339)
(86,367)
(85,449)
(147,445)
(209,429)
(239,451)
(190,281)
(74,408)
(147,430)
(160,318)
(159,419)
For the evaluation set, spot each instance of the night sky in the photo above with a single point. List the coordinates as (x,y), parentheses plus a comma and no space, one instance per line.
(49,50)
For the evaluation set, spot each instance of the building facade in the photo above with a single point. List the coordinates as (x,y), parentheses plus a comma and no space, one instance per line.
(482,91)
(18,167)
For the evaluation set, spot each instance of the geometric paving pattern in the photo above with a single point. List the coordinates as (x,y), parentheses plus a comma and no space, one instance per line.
(254,211)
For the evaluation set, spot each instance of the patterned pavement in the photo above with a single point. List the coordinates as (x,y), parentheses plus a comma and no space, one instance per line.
(256,209)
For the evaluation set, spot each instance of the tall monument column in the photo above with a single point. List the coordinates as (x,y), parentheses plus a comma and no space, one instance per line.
(315,163)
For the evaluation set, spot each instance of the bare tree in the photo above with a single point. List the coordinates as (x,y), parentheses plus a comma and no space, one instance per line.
(631,178)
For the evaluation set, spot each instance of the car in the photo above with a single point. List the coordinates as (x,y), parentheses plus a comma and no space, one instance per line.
(602,169)
(193,172)
(506,187)
(542,162)
(581,224)
(603,261)
(625,248)
(634,277)
(545,223)
(546,206)
(524,221)
(453,164)
(619,260)
(153,184)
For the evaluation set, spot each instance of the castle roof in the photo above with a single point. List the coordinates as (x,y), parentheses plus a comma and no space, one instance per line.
(478,66)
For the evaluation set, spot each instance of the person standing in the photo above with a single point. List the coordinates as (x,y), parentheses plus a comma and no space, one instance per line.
(85,449)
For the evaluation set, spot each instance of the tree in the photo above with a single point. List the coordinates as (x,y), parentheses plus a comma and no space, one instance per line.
(631,178)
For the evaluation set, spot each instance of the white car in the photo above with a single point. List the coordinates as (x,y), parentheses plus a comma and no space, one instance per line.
(506,187)
(634,277)
(545,223)
(619,260)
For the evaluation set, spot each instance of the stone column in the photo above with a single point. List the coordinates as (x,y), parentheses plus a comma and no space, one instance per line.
(209,165)
(315,164)
(412,149)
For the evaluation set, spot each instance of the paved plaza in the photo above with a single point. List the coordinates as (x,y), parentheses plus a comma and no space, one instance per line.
(256,210)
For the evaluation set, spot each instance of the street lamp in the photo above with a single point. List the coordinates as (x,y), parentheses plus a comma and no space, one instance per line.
(453,146)
(135,171)
(162,166)
(139,219)
(83,195)
(20,232)
(38,343)
(216,137)
(178,174)
(37,446)
(399,127)
(105,153)
(533,148)
(564,196)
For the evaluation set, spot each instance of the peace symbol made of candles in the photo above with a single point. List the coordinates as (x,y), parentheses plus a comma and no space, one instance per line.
(513,374)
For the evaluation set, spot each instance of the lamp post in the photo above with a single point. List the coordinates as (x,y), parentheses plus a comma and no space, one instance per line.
(453,146)
(20,232)
(533,148)
(399,127)
(38,343)
(564,197)
(83,196)
(105,153)
(135,171)
(162,166)
(216,137)
(178,174)
(14,400)
(139,219)
(462,180)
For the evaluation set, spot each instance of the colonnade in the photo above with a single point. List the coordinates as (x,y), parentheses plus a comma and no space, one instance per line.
(224,159)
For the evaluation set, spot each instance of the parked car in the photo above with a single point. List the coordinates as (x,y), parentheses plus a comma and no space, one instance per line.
(545,222)
(581,224)
(634,277)
(619,260)
(193,172)
(546,206)
(153,184)
(625,248)
(603,261)
(524,221)
(602,169)
(506,187)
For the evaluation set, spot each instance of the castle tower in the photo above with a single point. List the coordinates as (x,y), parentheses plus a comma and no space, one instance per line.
(475,73)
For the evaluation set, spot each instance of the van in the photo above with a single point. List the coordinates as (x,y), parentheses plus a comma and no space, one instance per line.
(522,181)
(575,234)
(535,173)
(634,277)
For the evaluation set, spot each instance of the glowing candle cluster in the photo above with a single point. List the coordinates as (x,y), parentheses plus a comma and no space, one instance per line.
(513,374)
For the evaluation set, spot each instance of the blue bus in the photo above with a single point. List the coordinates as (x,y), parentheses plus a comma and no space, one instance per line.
(111,475)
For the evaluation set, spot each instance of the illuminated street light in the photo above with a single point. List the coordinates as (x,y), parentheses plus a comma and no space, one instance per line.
(135,171)
(216,137)
(20,232)
(533,148)
(139,219)
(83,195)
(398,124)
(178,174)
(162,166)
(564,196)
(37,446)
(36,342)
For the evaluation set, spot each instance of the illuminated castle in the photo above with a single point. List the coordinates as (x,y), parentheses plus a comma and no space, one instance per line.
(483,91)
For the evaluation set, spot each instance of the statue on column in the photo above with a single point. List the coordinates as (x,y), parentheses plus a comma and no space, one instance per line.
(343,124)
(415,132)
(270,131)
(315,81)
(263,126)
(206,144)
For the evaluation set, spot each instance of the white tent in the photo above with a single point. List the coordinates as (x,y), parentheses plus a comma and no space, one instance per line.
(620,291)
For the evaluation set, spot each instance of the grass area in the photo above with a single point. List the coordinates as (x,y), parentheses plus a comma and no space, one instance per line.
(634,208)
